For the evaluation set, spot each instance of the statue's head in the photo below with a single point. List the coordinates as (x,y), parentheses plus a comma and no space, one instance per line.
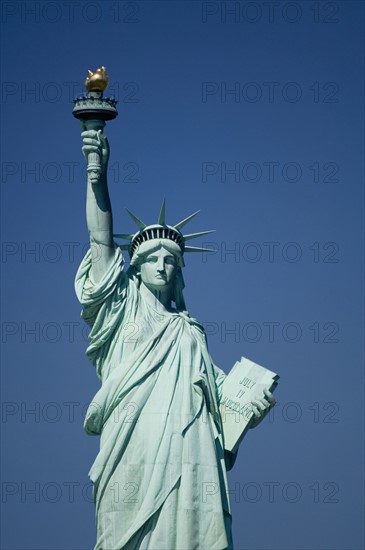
(157,264)
(156,253)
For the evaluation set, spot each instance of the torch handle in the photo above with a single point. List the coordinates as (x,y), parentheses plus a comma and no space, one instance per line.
(93,159)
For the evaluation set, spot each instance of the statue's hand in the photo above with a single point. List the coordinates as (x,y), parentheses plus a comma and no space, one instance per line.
(96,142)
(260,408)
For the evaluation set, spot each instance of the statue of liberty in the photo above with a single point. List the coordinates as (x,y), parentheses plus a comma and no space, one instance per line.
(160,477)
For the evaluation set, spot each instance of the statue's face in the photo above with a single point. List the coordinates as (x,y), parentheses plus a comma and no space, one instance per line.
(158,269)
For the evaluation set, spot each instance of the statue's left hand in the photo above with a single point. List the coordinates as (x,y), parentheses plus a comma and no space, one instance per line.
(261,407)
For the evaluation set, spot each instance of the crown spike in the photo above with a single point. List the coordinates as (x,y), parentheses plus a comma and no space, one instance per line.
(198,249)
(128,237)
(195,235)
(181,224)
(139,222)
(161,217)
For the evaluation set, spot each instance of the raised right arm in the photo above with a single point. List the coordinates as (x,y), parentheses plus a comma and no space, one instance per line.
(98,207)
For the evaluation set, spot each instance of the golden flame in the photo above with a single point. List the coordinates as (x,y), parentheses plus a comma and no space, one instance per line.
(97,81)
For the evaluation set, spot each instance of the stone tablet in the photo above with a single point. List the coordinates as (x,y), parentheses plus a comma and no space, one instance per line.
(245,382)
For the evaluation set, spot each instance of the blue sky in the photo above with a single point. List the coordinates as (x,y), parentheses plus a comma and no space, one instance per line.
(253,112)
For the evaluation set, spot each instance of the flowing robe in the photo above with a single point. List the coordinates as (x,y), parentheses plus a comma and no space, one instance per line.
(160,476)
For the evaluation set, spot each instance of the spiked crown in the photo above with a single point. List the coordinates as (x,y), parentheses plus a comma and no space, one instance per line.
(161,230)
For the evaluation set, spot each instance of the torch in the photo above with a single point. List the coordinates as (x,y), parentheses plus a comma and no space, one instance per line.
(93,110)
